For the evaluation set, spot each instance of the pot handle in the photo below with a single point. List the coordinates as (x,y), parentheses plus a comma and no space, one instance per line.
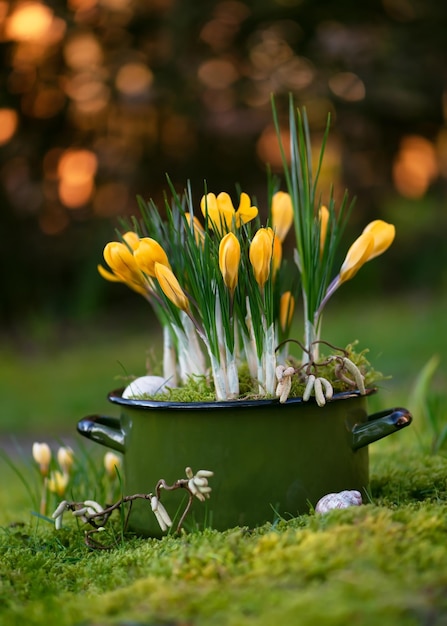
(380,425)
(104,430)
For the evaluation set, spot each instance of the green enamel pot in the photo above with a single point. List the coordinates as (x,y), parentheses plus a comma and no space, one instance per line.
(268,458)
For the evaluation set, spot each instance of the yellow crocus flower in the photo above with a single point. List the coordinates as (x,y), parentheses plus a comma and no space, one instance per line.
(170,286)
(383,234)
(282,214)
(260,254)
(376,237)
(123,267)
(147,254)
(357,255)
(221,212)
(229,259)
(323,215)
(58,483)
(286,310)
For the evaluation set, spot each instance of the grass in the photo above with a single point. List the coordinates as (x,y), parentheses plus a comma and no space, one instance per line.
(54,380)
(384,562)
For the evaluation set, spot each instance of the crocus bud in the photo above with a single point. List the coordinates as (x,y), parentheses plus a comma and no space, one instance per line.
(147,254)
(170,286)
(112,463)
(65,458)
(286,309)
(42,456)
(229,259)
(260,253)
(282,214)
(357,256)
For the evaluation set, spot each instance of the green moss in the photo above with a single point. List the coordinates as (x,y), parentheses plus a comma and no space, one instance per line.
(201,388)
(197,389)
(380,563)
(371,376)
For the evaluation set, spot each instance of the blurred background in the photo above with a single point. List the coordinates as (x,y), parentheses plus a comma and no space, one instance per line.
(100,99)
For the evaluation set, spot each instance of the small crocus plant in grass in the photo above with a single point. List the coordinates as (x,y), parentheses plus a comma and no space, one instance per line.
(225,294)
(96,516)
(93,513)
(54,480)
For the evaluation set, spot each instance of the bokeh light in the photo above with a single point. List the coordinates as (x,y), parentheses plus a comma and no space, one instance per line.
(101,99)
(9,121)
(76,171)
(347,86)
(111,199)
(217,73)
(268,150)
(415,166)
(134,79)
(30,21)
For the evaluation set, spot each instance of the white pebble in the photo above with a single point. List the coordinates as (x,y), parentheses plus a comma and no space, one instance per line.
(145,385)
(341,500)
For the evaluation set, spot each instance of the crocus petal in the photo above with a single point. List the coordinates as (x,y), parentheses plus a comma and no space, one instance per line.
(132,239)
(147,254)
(65,458)
(260,253)
(246,212)
(120,259)
(220,211)
(323,215)
(122,263)
(208,204)
(357,256)
(229,259)
(286,309)
(170,286)
(108,275)
(282,214)
(383,234)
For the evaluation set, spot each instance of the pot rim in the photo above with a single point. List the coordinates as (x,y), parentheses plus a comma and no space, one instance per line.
(116,398)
